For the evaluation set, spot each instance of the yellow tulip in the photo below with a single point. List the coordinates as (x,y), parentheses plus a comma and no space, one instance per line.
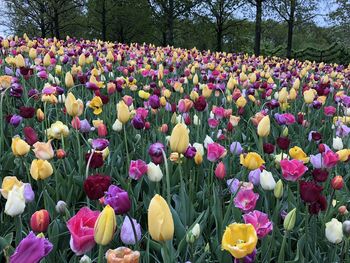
(32,53)
(251,160)
(57,130)
(74,107)
(293,94)
(68,80)
(96,104)
(309,95)
(198,158)
(8,183)
(179,139)
(40,169)
(264,127)
(47,60)
(40,115)
(241,102)
(283,95)
(105,226)
(239,239)
(19,147)
(296,84)
(19,61)
(123,112)
(206,92)
(343,155)
(298,154)
(5,81)
(160,220)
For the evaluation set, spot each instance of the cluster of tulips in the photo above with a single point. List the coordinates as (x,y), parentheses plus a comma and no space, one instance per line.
(135,153)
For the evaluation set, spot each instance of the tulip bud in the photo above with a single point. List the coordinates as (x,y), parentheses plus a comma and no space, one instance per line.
(40,116)
(60,153)
(220,170)
(61,207)
(123,112)
(39,222)
(278,191)
(85,259)
(285,132)
(198,158)
(117,126)
(289,220)
(337,182)
(68,80)
(105,226)
(343,210)
(154,172)
(102,130)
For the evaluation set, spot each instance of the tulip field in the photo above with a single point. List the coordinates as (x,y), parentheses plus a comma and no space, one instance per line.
(135,153)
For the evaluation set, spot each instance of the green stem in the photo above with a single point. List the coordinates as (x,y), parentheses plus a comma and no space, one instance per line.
(87,173)
(100,254)
(126,150)
(167,178)
(1,123)
(18,223)
(79,151)
(281,254)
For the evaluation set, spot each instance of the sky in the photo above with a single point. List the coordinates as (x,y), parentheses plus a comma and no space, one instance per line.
(325,6)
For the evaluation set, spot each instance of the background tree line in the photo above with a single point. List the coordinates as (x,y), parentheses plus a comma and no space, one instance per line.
(271,27)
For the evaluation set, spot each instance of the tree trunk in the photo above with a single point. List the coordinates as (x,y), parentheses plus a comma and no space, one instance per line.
(56,23)
(258,27)
(170,23)
(103,21)
(290,28)
(219,35)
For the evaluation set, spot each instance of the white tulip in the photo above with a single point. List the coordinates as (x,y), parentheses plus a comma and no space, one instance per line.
(199,148)
(267,181)
(117,126)
(154,172)
(337,143)
(334,231)
(196,120)
(207,140)
(15,203)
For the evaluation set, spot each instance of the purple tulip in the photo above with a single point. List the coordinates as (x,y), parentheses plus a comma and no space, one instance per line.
(233,185)
(16,120)
(85,126)
(154,102)
(254,176)
(100,144)
(190,152)
(138,122)
(247,259)
(155,151)
(28,193)
(31,249)
(127,233)
(236,148)
(118,199)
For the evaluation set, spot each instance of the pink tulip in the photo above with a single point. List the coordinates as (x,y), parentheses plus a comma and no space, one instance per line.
(81,228)
(292,170)
(220,170)
(137,169)
(329,111)
(246,200)
(215,152)
(260,221)
(330,159)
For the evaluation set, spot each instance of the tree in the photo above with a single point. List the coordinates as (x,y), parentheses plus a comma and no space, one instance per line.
(293,12)
(166,12)
(219,12)
(258,4)
(341,19)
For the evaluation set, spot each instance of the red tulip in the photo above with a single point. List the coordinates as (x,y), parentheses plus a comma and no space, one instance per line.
(39,222)
(337,182)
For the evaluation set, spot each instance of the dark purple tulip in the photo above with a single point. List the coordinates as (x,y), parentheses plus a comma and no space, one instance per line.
(33,93)
(154,102)
(155,151)
(100,144)
(190,152)
(16,90)
(31,249)
(138,122)
(118,199)
(26,112)
(30,135)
